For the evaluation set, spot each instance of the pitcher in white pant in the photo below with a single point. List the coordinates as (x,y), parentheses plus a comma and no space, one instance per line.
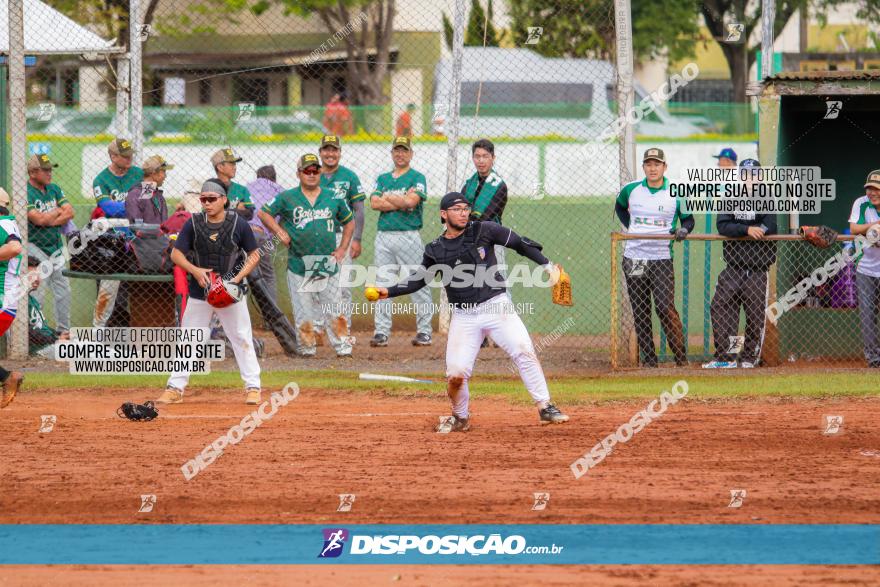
(216,239)
(481,306)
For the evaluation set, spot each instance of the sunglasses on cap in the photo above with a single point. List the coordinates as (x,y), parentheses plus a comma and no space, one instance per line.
(208,199)
(311,170)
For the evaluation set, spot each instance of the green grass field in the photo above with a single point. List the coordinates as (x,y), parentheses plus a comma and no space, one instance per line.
(566,390)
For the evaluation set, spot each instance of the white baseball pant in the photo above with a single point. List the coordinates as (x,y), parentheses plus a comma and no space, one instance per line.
(468,328)
(236,322)
(344,293)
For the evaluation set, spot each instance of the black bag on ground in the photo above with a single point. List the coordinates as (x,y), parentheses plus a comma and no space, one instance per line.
(152,250)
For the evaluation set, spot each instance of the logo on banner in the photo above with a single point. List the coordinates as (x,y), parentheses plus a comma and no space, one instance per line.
(737,496)
(833,108)
(334,540)
(833,424)
(534,36)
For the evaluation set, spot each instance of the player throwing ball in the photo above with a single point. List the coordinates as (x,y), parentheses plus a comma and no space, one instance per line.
(216,238)
(476,305)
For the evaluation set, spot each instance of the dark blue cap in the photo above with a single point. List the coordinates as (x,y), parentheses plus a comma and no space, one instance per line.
(750,163)
(727,153)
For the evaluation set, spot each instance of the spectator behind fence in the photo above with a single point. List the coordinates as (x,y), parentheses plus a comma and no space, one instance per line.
(863,218)
(263,190)
(337,117)
(645,207)
(111,188)
(404,126)
(145,202)
(47,211)
(41,336)
(225,163)
(399,197)
(743,283)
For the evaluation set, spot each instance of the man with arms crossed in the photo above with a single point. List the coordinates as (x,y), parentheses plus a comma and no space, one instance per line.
(398,198)
(47,211)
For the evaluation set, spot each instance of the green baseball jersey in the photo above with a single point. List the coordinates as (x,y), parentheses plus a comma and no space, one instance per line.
(47,238)
(10,270)
(312,228)
(488,191)
(238,193)
(38,324)
(108,185)
(397,220)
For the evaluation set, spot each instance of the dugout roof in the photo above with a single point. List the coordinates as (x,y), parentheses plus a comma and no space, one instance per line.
(47,31)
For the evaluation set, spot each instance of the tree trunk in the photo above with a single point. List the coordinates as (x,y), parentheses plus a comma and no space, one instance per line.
(738,62)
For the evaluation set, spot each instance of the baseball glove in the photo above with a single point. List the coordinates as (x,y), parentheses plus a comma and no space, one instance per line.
(137,412)
(819,236)
(562,289)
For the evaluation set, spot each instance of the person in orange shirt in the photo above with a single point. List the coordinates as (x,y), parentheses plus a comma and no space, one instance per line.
(337,117)
(404,128)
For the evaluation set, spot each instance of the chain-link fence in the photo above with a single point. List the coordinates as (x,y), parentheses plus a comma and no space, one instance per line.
(774,301)
(268,81)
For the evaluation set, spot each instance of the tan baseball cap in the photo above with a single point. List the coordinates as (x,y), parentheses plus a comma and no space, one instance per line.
(5,200)
(224,156)
(655,154)
(121,147)
(154,164)
(873,180)
(40,162)
(307,160)
(404,142)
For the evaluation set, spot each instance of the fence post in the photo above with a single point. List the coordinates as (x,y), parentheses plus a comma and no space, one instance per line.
(615,318)
(123,96)
(625,90)
(17,151)
(136,79)
(452,132)
(770,351)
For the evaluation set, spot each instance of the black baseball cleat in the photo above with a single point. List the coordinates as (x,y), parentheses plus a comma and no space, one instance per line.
(379,340)
(454,423)
(422,339)
(552,415)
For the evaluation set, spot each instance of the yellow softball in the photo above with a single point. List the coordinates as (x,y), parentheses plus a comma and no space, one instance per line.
(372,294)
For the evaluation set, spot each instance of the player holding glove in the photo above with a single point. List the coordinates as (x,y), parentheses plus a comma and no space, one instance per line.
(477,306)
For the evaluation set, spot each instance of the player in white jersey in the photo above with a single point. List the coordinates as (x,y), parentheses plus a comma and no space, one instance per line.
(481,306)
(646,207)
(865,217)
(11,260)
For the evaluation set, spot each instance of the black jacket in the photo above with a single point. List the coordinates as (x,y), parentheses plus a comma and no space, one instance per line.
(753,255)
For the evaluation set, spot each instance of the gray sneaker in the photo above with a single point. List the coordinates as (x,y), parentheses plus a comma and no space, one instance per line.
(379,340)
(552,415)
(422,339)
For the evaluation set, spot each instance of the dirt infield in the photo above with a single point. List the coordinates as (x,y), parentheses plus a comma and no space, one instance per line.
(490,576)
(93,468)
